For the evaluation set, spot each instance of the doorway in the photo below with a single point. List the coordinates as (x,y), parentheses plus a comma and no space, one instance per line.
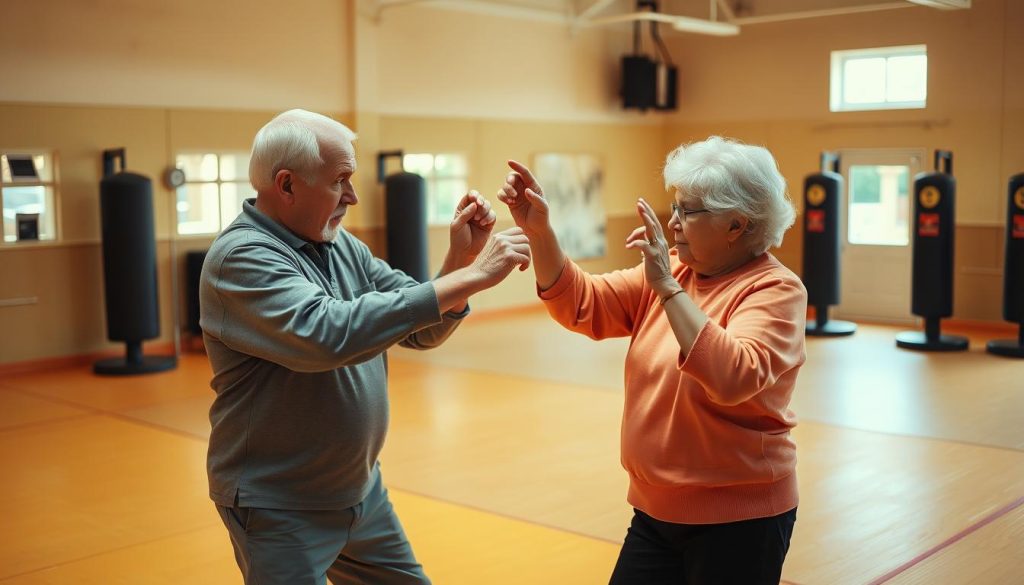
(875,235)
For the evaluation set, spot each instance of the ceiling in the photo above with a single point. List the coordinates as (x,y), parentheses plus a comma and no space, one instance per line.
(585,13)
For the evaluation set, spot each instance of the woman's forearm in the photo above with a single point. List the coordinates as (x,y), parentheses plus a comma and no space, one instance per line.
(548,258)
(685,318)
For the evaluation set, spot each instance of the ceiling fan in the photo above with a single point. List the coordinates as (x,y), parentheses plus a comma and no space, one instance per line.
(730,25)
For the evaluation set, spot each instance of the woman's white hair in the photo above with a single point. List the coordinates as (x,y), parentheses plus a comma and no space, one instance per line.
(291,141)
(727,175)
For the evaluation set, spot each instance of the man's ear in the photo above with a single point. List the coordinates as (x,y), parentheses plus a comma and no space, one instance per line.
(283,185)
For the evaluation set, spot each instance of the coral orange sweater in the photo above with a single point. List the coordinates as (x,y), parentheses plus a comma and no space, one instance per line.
(705,436)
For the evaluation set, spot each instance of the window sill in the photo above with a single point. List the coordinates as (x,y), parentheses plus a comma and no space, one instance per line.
(36,244)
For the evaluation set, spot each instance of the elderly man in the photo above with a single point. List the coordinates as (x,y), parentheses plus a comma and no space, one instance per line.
(297,315)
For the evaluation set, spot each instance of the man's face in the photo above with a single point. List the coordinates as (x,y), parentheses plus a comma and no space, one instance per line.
(320,205)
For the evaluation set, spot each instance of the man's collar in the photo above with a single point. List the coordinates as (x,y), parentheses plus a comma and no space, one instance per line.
(257,217)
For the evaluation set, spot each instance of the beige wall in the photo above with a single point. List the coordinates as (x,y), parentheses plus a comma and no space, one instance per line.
(770,86)
(84,76)
(630,153)
(66,277)
(474,65)
(188,53)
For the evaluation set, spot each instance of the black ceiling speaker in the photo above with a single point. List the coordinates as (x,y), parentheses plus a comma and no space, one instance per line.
(648,82)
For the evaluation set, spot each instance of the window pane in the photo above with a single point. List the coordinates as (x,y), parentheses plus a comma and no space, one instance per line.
(421,164)
(868,184)
(442,197)
(198,209)
(864,81)
(41,163)
(198,167)
(450,165)
(24,200)
(907,79)
(234,167)
(879,78)
(43,167)
(231,197)
(879,205)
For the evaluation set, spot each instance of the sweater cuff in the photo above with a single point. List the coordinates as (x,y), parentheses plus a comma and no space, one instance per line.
(456,315)
(691,362)
(421,305)
(561,285)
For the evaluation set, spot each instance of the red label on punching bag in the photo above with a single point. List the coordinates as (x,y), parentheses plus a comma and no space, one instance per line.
(1018,226)
(928,225)
(816,220)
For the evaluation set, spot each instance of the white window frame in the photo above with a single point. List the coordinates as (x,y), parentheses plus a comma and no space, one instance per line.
(433,191)
(222,222)
(837,102)
(51,184)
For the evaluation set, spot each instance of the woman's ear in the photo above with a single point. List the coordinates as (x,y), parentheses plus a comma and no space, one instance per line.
(738,226)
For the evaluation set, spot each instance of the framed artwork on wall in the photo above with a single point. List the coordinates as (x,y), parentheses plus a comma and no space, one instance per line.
(573,187)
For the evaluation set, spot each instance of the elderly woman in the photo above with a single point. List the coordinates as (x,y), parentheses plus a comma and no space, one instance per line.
(716,342)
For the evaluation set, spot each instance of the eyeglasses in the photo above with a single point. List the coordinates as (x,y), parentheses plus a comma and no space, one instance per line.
(681,213)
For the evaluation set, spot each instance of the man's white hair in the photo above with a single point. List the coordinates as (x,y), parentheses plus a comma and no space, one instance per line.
(727,175)
(291,141)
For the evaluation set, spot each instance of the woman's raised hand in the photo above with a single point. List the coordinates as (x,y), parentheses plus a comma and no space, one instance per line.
(525,199)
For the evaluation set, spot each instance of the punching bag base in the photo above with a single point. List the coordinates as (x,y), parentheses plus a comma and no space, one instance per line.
(134,362)
(123,367)
(921,342)
(1006,348)
(830,328)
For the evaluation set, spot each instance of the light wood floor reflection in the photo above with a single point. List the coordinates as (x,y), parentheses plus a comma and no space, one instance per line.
(502,461)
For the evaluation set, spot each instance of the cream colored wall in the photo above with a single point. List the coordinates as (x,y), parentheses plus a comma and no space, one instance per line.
(437,62)
(770,86)
(436,80)
(187,53)
(426,79)
(630,153)
(66,277)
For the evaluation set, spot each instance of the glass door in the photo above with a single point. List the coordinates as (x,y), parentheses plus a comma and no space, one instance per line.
(876,254)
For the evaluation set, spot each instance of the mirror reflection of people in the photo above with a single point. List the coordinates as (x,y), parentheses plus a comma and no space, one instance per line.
(297,315)
(716,328)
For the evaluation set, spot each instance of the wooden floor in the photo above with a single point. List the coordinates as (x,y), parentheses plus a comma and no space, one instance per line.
(503,464)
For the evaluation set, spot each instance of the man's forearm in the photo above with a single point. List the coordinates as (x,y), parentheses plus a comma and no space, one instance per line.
(453,262)
(454,288)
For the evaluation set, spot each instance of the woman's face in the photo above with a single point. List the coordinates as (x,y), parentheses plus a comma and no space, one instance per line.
(704,240)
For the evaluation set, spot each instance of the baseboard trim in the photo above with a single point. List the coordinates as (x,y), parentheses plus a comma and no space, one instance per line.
(74,361)
(972,325)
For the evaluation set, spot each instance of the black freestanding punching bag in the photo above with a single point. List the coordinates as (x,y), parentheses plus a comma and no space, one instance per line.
(932,279)
(129,269)
(1013,272)
(405,197)
(821,247)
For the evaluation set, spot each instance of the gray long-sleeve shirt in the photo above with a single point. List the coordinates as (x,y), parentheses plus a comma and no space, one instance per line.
(296,334)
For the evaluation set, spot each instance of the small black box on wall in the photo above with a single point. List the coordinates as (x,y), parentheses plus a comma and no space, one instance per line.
(28,226)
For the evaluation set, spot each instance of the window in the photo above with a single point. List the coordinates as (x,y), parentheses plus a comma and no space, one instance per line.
(215,186)
(27,193)
(446,177)
(879,205)
(879,79)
